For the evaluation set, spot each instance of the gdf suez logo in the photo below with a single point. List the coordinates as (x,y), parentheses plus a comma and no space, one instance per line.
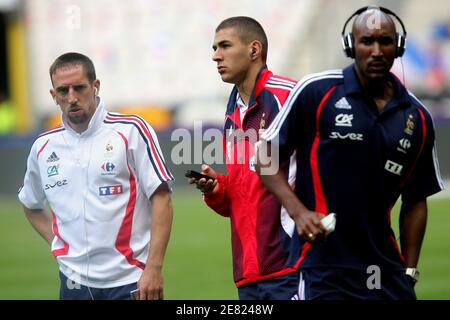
(350,135)
(56,184)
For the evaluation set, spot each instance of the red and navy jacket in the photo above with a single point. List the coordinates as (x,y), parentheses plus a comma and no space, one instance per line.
(356,162)
(263,244)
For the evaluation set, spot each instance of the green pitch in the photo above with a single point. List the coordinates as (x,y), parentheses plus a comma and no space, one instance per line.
(197,265)
(198,260)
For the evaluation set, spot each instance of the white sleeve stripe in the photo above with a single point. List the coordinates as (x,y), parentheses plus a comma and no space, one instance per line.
(158,163)
(278,102)
(419,102)
(289,85)
(280,83)
(434,153)
(274,78)
(276,124)
(274,128)
(437,170)
(279,86)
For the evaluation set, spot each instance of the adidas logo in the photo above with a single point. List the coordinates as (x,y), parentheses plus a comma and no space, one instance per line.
(53,157)
(343,104)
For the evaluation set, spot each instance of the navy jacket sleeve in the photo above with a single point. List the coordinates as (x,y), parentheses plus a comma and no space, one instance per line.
(425,179)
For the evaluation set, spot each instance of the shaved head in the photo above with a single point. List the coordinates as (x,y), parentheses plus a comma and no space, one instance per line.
(248,29)
(375,45)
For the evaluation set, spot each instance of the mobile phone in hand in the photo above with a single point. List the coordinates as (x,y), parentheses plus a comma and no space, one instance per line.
(197,175)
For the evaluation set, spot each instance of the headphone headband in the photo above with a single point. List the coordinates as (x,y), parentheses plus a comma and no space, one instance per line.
(382,9)
(348,41)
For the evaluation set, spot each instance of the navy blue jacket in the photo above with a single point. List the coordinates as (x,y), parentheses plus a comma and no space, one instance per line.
(356,162)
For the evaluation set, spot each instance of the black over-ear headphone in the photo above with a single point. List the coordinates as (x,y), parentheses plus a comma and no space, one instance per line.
(348,40)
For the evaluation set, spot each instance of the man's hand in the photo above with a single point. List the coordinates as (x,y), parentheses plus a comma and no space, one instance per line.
(309,226)
(150,284)
(206,187)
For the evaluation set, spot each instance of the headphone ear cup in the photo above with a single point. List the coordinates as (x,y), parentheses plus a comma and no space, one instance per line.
(401,44)
(347,45)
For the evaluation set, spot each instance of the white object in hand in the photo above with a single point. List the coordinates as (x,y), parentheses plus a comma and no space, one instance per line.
(329,221)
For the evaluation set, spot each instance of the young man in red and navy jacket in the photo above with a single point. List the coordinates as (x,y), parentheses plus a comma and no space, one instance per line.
(265,252)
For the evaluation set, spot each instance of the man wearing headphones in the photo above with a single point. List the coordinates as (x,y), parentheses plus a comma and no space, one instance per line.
(105,180)
(362,140)
(265,252)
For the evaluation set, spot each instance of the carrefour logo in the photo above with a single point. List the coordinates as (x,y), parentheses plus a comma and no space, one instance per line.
(108,168)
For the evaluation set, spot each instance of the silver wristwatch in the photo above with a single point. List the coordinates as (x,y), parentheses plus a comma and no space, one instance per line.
(413,273)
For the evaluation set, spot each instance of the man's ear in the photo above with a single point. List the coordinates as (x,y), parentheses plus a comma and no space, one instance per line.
(96,85)
(53,94)
(255,49)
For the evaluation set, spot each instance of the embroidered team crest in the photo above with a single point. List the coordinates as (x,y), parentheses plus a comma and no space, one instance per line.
(109,150)
(409,125)
(109,147)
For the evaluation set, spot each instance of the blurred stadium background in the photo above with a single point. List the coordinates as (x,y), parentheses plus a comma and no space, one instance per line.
(153,58)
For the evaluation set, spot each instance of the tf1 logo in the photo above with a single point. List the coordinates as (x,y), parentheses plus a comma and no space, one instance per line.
(110,190)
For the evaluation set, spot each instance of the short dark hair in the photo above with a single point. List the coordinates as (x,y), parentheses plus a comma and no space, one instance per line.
(74,59)
(248,29)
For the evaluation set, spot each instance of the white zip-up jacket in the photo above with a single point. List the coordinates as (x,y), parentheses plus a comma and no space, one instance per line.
(97,184)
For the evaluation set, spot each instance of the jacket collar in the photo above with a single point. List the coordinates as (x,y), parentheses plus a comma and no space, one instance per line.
(263,76)
(353,86)
(94,123)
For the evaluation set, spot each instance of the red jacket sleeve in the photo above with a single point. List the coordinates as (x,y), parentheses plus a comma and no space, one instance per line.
(219,201)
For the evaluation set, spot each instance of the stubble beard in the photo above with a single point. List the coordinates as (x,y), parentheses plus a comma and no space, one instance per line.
(83,118)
